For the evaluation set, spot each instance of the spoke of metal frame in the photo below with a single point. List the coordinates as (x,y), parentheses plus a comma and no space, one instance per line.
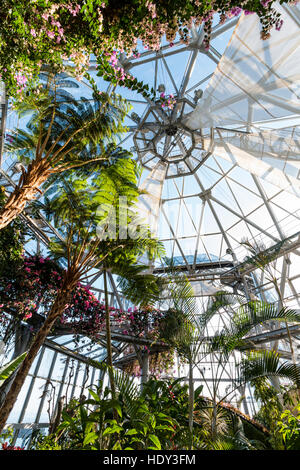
(167,146)
(212,57)
(29,391)
(244,218)
(227,179)
(96,277)
(169,73)
(199,83)
(199,237)
(178,47)
(155,73)
(115,290)
(222,28)
(216,53)
(178,221)
(207,198)
(175,238)
(126,138)
(191,63)
(182,198)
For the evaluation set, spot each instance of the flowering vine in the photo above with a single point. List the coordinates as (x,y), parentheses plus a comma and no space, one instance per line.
(53,32)
(33,287)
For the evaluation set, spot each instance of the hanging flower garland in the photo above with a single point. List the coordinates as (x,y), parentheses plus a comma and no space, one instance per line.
(54,32)
(33,287)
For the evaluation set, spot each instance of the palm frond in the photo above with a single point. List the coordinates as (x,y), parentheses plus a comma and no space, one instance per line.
(267,364)
(248,317)
(127,390)
(137,285)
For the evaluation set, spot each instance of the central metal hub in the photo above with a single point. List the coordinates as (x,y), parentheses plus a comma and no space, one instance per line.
(163,136)
(171,130)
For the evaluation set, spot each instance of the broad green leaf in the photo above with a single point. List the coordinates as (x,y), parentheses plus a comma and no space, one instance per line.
(113,429)
(155,441)
(91,437)
(9,368)
(130,432)
(117,446)
(95,396)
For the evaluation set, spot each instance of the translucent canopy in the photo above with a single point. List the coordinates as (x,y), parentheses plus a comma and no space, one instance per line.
(225,159)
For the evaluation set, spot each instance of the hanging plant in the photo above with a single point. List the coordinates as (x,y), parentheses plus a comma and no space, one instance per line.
(31,289)
(53,32)
(160,363)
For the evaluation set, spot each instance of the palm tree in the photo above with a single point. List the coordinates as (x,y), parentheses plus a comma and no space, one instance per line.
(186,330)
(74,208)
(261,363)
(265,260)
(61,134)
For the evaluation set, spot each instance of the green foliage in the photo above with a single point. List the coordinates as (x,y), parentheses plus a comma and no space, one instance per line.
(90,425)
(89,215)
(8,369)
(154,419)
(7,434)
(49,32)
(270,409)
(11,243)
(68,133)
(288,426)
(140,287)
(248,316)
(267,364)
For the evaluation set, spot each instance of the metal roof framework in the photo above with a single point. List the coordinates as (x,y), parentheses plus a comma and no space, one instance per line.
(221,166)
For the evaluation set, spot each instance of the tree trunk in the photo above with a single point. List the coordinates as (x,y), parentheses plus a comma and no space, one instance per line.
(214,421)
(145,368)
(62,299)
(191,400)
(22,342)
(26,190)
(108,339)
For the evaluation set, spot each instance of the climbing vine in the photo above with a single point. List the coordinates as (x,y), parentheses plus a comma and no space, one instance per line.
(62,32)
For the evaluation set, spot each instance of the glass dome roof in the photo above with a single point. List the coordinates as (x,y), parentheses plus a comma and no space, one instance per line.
(222,166)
